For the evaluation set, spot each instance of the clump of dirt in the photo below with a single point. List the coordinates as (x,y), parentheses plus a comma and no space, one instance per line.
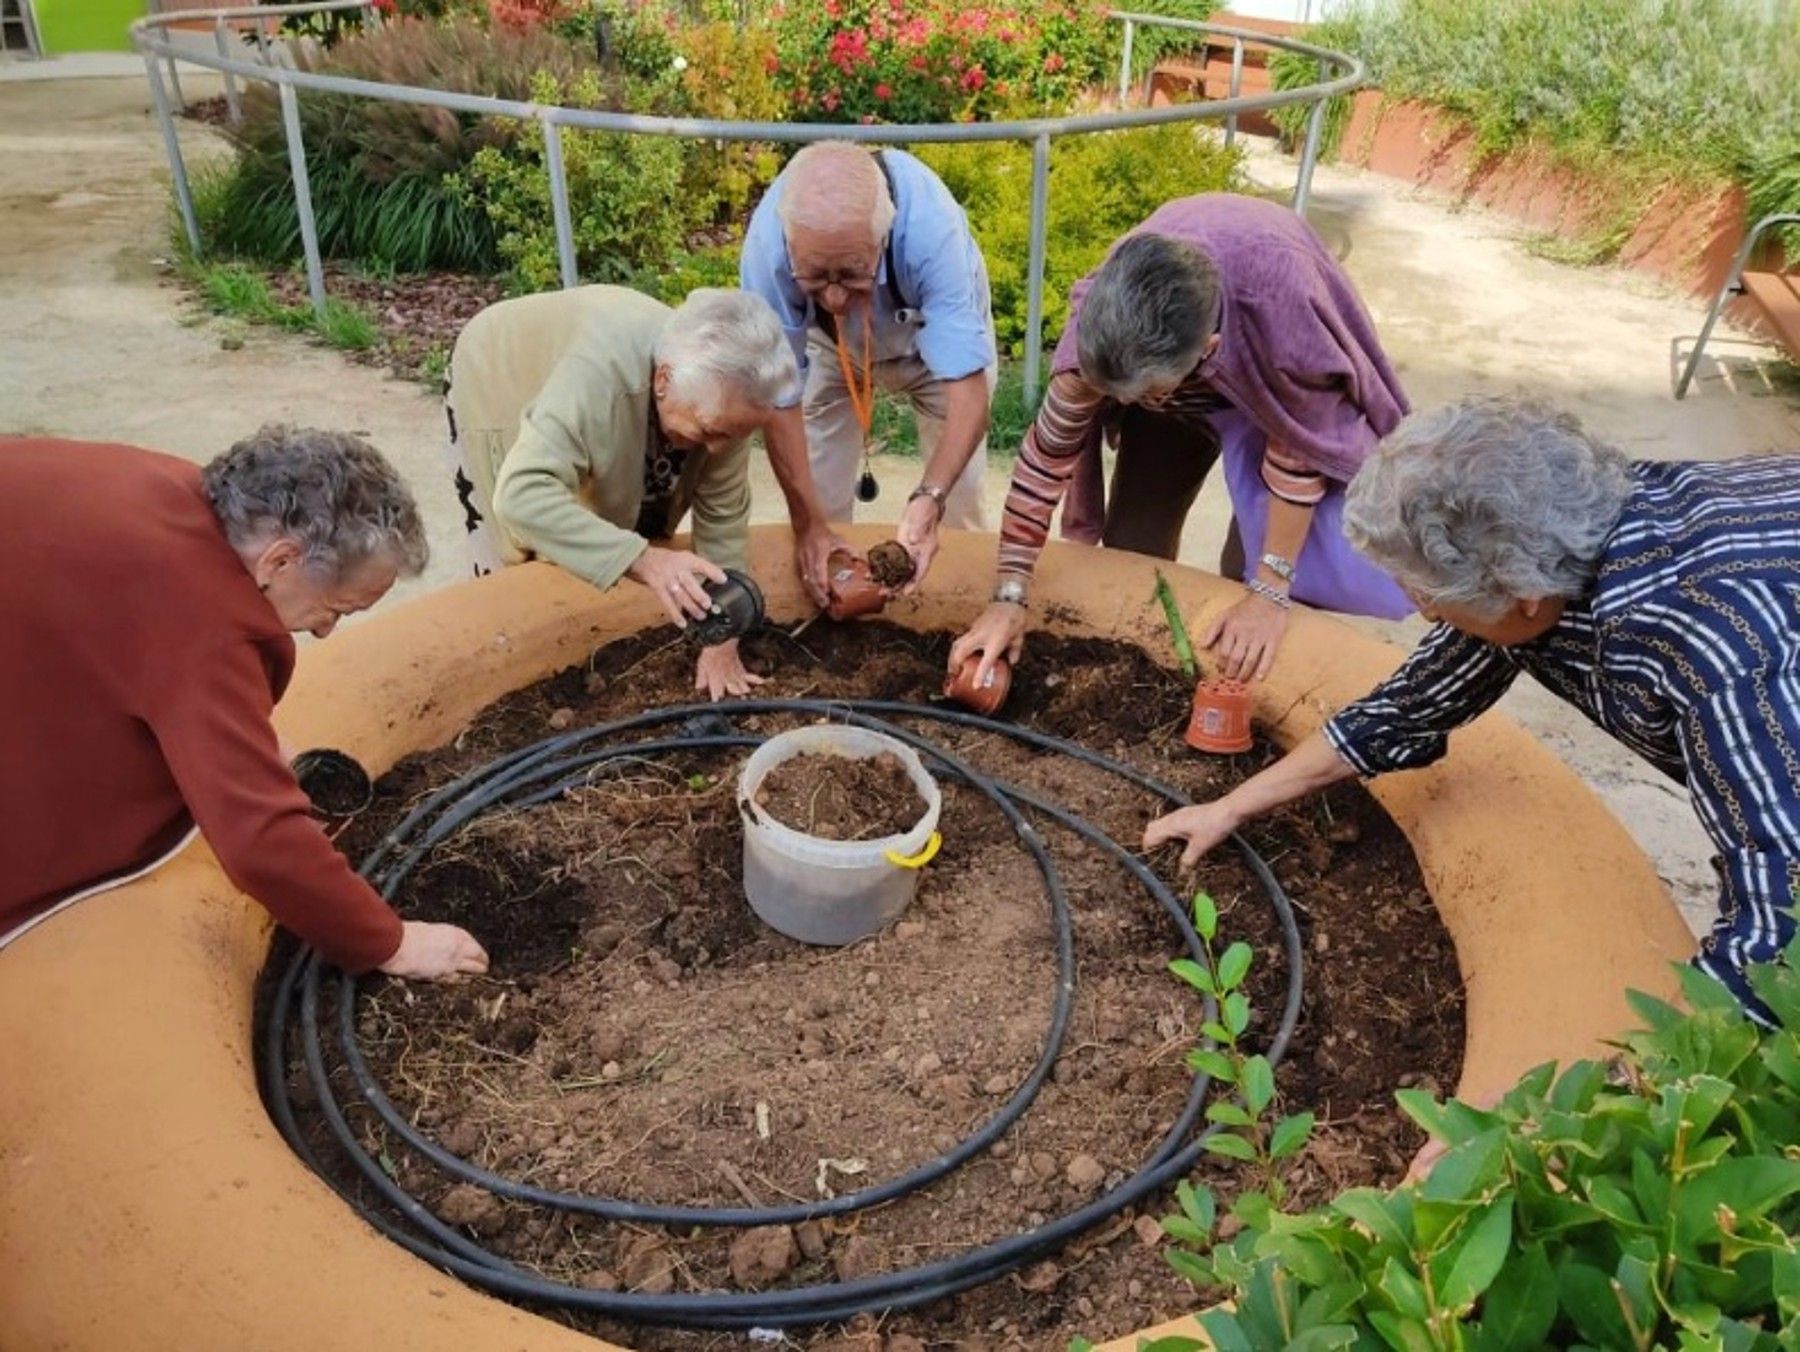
(842,797)
(890,564)
(642,1035)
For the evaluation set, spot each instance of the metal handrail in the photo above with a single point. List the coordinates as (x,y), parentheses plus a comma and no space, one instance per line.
(149,35)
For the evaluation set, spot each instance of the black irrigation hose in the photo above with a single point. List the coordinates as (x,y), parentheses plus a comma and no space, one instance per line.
(545,771)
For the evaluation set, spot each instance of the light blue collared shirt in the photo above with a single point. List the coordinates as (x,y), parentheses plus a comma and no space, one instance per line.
(944,310)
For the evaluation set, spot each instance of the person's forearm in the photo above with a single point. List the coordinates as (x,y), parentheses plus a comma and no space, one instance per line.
(1284,536)
(1309,767)
(965,427)
(784,437)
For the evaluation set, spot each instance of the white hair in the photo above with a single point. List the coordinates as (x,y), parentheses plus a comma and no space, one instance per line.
(1487,502)
(719,339)
(829,185)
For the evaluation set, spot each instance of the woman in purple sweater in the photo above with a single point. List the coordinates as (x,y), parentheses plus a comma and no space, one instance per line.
(1220,330)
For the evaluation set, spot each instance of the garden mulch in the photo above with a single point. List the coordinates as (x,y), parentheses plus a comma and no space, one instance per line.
(642,1035)
(419,315)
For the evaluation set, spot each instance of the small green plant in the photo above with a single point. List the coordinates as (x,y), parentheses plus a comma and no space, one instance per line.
(238,292)
(1652,1201)
(1164,595)
(345,326)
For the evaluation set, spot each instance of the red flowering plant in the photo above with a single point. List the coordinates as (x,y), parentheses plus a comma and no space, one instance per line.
(910,61)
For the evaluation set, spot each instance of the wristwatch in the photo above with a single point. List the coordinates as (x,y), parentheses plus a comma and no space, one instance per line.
(1012,591)
(938,495)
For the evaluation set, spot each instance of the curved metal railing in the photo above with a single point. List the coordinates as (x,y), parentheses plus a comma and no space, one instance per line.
(1339,73)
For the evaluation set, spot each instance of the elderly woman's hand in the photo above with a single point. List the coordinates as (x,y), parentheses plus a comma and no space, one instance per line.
(998,632)
(1245,638)
(677,579)
(433,952)
(721,671)
(1198,828)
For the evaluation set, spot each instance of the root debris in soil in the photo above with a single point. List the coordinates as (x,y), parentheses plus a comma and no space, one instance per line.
(642,1035)
(842,797)
(890,564)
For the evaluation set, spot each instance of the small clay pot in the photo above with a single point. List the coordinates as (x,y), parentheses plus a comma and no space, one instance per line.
(1221,719)
(852,590)
(737,608)
(337,785)
(981,699)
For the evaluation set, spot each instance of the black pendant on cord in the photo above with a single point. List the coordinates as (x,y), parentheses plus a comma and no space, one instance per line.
(867,490)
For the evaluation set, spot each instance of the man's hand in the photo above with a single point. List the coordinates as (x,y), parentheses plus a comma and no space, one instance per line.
(721,671)
(918,535)
(1246,638)
(999,631)
(1199,828)
(675,578)
(430,952)
(812,549)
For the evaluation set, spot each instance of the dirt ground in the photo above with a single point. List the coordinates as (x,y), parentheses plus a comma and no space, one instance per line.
(96,342)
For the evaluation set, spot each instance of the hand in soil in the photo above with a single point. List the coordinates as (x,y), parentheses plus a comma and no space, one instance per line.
(431,952)
(812,553)
(676,579)
(720,671)
(842,797)
(1199,828)
(891,565)
(998,632)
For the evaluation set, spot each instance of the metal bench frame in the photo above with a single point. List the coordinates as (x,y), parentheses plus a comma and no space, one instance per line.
(1733,287)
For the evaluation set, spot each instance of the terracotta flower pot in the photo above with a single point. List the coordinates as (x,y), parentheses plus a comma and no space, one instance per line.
(852,590)
(981,699)
(1221,721)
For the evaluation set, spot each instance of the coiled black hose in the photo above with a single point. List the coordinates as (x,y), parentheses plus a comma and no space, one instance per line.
(546,770)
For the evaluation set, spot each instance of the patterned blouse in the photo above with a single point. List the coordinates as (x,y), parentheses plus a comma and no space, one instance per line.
(1072,411)
(1687,650)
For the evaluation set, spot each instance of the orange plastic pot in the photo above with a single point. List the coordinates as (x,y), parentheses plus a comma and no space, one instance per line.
(981,699)
(852,591)
(1221,718)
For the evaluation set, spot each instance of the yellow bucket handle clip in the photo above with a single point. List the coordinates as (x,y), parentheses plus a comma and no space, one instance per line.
(922,858)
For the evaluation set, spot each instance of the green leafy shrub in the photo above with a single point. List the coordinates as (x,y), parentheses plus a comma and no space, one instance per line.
(1152,44)
(1291,70)
(379,171)
(1649,1202)
(1773,183)
(625,198)
(1103,184)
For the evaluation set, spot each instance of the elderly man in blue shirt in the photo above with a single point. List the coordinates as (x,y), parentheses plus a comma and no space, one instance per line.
(868,261)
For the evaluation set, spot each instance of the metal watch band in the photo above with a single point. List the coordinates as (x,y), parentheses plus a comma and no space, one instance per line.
(1273,595)
(1282,568)
(1011,590)
(938,495)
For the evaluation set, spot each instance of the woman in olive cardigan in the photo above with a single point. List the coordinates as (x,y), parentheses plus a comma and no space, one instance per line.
(588,423)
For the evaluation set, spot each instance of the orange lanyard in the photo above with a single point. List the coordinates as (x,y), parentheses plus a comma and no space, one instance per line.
(862,397)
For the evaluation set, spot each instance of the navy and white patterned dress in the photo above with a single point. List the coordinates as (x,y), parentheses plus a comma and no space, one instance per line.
(1687,650)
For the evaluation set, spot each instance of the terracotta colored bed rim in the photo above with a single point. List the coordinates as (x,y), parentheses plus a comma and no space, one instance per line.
(147,1203)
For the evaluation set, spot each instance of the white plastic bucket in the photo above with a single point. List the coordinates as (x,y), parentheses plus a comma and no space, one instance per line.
(832,891)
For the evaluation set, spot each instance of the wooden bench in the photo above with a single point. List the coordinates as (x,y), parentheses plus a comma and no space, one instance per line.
(1775,294)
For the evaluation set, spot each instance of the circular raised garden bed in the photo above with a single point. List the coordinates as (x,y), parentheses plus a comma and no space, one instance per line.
(161,1207)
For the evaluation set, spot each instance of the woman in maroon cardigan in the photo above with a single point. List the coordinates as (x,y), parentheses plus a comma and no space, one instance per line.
(148,605)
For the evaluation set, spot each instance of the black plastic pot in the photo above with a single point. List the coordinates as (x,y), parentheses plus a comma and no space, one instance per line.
(337,785)
(737,608)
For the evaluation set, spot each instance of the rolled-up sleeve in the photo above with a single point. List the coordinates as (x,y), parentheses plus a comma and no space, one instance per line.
(1406,721)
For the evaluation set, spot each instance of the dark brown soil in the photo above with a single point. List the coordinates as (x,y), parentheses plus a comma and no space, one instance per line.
(642,1035)
(842,797)
(890,564)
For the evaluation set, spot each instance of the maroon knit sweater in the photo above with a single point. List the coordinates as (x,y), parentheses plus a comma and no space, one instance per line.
(139,666)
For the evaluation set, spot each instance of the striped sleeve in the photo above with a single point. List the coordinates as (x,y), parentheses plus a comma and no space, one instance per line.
(1290,478)
(1064,425)
(1405,722)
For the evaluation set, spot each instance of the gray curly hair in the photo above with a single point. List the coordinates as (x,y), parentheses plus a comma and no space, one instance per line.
(1487,502)
(332,493)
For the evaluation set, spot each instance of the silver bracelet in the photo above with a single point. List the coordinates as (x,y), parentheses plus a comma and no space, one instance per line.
(1273,595)
(1282,568)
